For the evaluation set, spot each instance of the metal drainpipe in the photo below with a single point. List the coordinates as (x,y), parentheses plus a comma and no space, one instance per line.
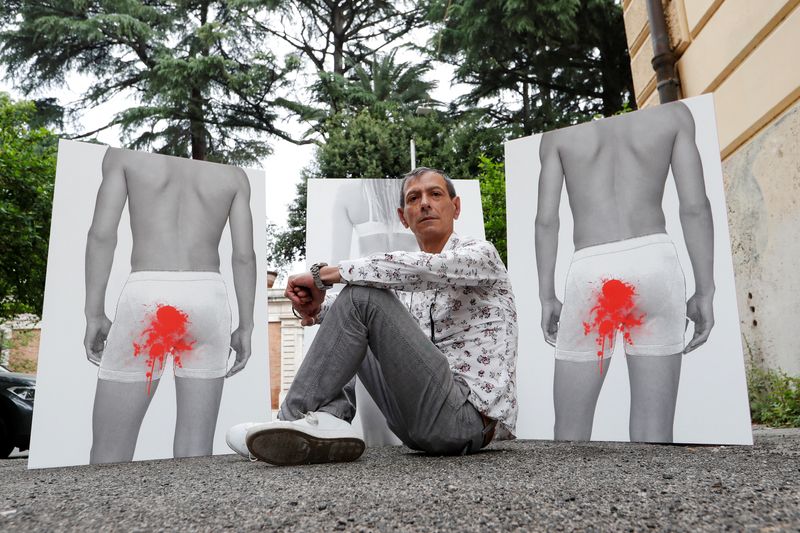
(663,58)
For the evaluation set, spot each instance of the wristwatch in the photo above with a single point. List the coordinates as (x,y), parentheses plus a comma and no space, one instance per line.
(318,283)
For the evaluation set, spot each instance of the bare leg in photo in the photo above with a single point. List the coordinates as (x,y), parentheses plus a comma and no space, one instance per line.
(654,392)
(174,250)
(198,408)
(615,172)
(576,387)
(119,409)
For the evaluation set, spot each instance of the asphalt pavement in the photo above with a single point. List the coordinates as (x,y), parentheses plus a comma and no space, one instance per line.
(520,485)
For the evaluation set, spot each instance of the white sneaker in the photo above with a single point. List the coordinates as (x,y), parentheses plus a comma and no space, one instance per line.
(318,438)
(235,437)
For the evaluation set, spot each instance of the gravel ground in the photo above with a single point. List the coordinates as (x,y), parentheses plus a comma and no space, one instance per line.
(521,485)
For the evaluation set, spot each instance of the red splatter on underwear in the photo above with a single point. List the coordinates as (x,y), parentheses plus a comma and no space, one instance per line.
(615,310)
(165,334)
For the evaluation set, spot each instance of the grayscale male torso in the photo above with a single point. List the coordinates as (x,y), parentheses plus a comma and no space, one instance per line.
(615,170)
(178,210)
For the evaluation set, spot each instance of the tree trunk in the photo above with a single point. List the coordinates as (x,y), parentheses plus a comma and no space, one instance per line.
(196,112)
(196,124)
(339,19)
(526,109)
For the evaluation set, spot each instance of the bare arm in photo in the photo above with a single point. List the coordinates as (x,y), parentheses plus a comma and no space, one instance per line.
(697,225)
(243,262)
(551,180)
(341,225)
(100,245)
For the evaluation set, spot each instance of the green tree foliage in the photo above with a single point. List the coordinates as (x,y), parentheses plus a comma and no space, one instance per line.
(336,35)
(369,137)
(374,143)
(199,69)
(27,172)
(332,38)
(540,64)
(381,79)
(289,245)
(493,197)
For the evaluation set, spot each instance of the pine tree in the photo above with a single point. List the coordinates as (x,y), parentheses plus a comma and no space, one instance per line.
(200,71)
(536,64)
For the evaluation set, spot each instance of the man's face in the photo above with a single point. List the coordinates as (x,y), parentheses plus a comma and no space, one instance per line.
(429,211)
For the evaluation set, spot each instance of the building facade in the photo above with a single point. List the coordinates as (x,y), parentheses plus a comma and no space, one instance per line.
(285,345)
(746,54)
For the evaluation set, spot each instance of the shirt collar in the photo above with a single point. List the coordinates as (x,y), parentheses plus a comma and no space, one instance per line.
(452,242)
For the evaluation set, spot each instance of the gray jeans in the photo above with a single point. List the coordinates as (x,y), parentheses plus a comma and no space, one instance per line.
(409,378)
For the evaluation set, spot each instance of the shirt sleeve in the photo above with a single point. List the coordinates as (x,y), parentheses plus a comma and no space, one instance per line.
(472,263)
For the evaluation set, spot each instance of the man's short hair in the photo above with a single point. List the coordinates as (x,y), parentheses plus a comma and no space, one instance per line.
(419,171)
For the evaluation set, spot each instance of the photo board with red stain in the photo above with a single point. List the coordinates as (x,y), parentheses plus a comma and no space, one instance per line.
(170,333)
(711,404)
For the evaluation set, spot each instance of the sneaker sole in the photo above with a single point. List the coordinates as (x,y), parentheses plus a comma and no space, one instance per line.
(289,447)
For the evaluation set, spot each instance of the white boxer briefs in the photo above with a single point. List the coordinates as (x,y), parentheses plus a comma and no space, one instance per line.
(185,315)
(635,287)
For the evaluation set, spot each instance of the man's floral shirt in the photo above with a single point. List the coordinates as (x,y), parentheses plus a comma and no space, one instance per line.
(474,317)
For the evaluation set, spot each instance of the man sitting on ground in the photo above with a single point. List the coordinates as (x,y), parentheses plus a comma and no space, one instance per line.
(431,334)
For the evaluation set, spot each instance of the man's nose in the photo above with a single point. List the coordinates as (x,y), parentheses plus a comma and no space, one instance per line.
(424,201)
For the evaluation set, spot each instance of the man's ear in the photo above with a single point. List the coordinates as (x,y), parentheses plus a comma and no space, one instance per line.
(457,202)
(402,217)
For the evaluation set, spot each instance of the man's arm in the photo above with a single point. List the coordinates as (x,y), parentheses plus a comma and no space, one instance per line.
(243,262)
(551,179)
(473,263)
(697,224)
(307,300)
(476,263)
(100,244)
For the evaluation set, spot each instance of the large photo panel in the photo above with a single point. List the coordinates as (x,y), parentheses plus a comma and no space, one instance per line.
(608,365)
(350,218)
(176,240)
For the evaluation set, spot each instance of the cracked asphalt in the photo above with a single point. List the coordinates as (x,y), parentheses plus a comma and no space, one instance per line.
(519,485)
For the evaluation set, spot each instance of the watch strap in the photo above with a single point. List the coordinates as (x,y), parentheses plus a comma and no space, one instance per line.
(315,274)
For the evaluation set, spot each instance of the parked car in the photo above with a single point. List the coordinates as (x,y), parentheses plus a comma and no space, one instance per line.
(16,410)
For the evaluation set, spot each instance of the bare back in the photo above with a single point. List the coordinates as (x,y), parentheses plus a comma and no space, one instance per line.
(178,209)
(374,222)
(615,171)
(377,227)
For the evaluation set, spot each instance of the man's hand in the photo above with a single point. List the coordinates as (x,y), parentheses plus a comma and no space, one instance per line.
(95,338)
(306,298)
(700,310)
(551,313)
(240,343)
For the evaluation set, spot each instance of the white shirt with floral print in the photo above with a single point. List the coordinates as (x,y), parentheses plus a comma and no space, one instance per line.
(474,317)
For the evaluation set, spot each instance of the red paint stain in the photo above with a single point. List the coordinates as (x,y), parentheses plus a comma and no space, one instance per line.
(165,334)
(615,310)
